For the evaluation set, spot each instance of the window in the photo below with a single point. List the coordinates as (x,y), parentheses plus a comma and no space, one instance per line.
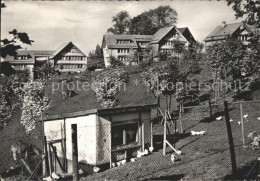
(169,43)
(122,58)
(123,41)
(124,134)
(123,50)
(243,37)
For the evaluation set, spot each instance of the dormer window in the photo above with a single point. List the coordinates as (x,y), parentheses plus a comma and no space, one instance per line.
(123,41)
(22,57)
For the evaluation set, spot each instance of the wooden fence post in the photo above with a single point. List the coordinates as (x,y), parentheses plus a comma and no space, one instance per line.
(74,152)
(230,139)
(164,134)
(242,124)
(210,109)
(47,171)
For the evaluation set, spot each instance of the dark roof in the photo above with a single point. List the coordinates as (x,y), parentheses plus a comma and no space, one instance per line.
(86,100)
(161,33)
(220,32)
(64,45)
(111,40)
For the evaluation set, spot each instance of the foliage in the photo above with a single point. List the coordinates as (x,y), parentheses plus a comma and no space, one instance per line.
(34,102)
(107,85)
(121,23)
(115,62)
(22,75)
(96,59)
(151,21)
(7,99)
(249,8)
(45,70)
(133,57)
(9,47)
(7,94)
(162,56)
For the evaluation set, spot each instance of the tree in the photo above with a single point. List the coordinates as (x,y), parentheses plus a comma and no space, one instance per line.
(107,85)
(133,57)
(250,9)
(151,21)
(121,23)
(178,48)
(8,96)
(45,70)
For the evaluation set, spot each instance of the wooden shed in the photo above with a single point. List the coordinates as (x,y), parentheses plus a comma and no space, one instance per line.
(104,135)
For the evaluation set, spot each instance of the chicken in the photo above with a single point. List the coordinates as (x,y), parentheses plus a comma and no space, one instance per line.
(96,169)
(219,118)
(258,118)
(173,158)
(231,120)
(178,152)
(151,149)
(54,176)
(132,159)
(146,152)
(123,162)
(200,133)
(139,154)
(48,178)
(113,165)
(239,123)
(245,116)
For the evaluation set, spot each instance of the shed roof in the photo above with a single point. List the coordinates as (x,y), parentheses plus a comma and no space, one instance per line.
(85,102)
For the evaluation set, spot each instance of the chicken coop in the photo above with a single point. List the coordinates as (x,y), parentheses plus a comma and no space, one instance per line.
(104,135)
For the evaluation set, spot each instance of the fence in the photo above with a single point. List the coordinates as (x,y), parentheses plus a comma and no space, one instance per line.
(116,151)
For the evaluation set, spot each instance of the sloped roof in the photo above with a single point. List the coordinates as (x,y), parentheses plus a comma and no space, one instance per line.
(161,33)
(185,32)
(64,45)
(221,32)
(133,95)
(111,40)
(31,53)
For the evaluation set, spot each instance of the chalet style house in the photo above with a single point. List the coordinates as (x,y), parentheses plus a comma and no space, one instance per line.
(120,46)
(240,31)
(66,58)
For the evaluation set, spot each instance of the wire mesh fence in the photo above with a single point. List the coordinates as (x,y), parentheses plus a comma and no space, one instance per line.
(133,150)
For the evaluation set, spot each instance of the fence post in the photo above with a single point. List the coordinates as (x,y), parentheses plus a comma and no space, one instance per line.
(210,109)
(242,124)
(47,171)
(230,139)
(74,152)
(164,134)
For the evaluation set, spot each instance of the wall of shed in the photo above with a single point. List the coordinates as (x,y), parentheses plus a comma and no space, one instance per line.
(86,126)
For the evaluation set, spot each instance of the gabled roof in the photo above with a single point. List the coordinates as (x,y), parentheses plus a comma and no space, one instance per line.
(111,40)
(64,45)
(161,33)
(220,32)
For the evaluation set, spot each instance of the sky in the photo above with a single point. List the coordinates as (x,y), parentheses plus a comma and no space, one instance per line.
(52,23)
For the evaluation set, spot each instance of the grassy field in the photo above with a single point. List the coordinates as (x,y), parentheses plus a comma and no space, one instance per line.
(205,157)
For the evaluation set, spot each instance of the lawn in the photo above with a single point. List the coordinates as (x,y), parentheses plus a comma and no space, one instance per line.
(205,157)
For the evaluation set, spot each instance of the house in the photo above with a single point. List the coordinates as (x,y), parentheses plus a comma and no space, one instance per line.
(67,58)
(240,31)
(105,135)
(121,46)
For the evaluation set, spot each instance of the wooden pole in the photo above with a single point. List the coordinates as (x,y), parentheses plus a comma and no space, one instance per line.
(74,152)
(242,124)
(210,109)
(20,147)
(47,173)
(164,134)
(110,145)
(151,133)
(230,139)
(50,159)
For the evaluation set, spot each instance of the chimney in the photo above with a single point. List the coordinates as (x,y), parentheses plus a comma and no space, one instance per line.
(224,24)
